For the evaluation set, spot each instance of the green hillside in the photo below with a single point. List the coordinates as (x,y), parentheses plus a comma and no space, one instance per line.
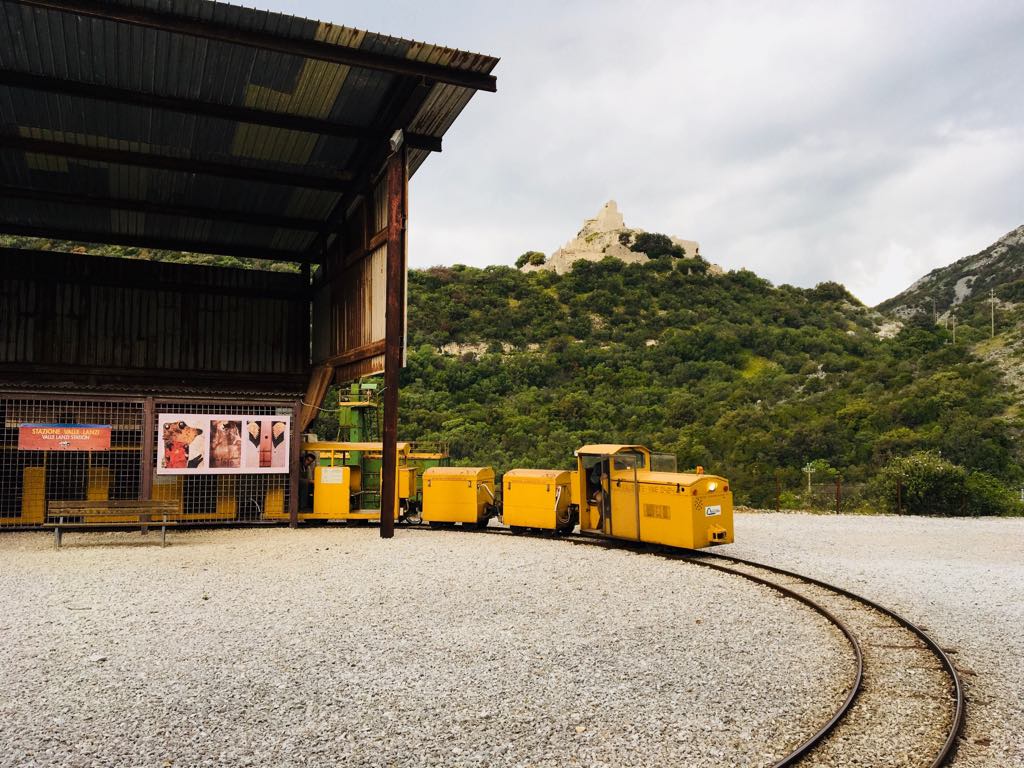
(749,380)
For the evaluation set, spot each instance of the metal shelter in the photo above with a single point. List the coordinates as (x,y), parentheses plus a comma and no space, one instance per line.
(197,126)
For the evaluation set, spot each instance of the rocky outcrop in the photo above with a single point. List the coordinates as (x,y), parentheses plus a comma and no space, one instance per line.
(944,289)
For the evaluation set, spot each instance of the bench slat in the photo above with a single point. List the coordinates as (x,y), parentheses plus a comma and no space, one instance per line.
(118,504)
(152,523)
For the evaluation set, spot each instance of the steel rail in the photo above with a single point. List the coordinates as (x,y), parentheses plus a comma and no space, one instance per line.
(804,748)
(700,557)
(960,711)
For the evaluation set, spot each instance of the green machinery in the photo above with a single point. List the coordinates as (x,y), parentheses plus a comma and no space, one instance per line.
(360,412)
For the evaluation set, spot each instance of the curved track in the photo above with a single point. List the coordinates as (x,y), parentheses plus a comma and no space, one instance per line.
(908,709)
(902,709)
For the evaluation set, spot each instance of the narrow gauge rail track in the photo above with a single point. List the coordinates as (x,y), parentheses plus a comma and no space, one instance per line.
(890,713)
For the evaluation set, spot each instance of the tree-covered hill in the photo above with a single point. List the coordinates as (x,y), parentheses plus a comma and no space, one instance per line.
(749,380)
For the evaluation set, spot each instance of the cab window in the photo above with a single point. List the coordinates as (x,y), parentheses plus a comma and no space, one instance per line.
(629,460)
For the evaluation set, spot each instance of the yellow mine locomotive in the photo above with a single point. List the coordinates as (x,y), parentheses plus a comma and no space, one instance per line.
(620,496)
(613,492)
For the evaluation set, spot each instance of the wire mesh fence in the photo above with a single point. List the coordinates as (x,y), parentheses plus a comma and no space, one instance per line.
(31,475)
(836,496)
(106,449)
(247,498)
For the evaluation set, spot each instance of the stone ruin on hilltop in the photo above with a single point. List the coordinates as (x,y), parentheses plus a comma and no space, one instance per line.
(607,235)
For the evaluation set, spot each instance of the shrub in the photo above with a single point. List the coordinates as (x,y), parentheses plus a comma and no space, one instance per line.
(655,245)
(924,483)
(832,291)
(535,258)
(695,266)
(987,496)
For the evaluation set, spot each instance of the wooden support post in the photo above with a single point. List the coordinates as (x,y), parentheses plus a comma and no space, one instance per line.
(295,465)
(394,325)
(146,467)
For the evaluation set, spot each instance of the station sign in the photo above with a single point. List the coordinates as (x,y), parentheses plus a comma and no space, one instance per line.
(64,437)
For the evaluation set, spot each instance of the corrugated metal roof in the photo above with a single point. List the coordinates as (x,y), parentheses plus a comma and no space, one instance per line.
(76,130)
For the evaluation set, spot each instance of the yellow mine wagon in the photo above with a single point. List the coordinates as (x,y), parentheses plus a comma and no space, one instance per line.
(620,496)
(458,495)
(538,498)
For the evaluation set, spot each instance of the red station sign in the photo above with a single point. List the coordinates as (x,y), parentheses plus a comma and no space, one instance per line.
(63,437)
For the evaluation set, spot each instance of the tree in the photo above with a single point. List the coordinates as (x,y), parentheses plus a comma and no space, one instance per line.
(655,245)
(535,258)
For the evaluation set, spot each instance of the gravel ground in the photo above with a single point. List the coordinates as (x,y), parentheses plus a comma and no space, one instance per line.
(275,647)
(961,579)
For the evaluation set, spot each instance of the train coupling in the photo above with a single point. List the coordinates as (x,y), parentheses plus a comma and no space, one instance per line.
(717,534)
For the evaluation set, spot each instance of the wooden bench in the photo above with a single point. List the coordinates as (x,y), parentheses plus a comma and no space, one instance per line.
(64,515)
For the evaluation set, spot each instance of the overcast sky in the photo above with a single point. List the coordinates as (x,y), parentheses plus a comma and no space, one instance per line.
(864,142)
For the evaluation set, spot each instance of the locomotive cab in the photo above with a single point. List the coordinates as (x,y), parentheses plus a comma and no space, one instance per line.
(622,497)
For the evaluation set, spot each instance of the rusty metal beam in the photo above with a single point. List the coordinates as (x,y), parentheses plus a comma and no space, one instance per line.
(143,241)
(394,330)
(355,355)
(148,445)
(170,381)
(311,49)
(206,109)
(189,278)
(295,466)
(163,209)
(338,183)
(404,102)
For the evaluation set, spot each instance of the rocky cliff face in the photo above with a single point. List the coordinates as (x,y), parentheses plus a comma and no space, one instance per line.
(605,235)
(972,276)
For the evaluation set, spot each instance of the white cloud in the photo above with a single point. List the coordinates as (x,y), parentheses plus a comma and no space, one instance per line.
(865,142)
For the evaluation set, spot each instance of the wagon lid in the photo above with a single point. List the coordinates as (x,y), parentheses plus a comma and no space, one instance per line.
(608,449)
(679,478)
(461,473)
(538,475)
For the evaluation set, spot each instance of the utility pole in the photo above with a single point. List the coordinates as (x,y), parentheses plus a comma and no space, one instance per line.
(935,315)
(992,299)
(954,329)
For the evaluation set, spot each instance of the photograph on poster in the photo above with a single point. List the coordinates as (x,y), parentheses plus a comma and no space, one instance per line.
(216,444)
(184,443)
(266,444)
(226,444)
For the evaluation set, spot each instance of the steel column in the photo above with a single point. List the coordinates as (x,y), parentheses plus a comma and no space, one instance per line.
(394,324)
(295,465)
(148,444)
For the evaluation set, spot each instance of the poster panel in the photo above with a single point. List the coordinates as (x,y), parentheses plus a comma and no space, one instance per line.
(63,437)
(218,444)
